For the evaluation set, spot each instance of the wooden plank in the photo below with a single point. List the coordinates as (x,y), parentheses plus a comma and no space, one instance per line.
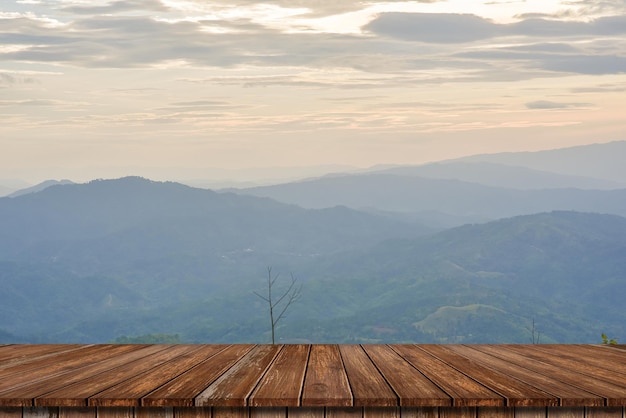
(411,386)
(94,379)
(381,412)
(607,412)
(11,411)
(282,383)
(84,370)
(568,395)
(182,390)
(130,391)
(516,392)
(566,373)
(39,412)
(17,353)
(154,412)
(569,358)
(21,389)
(77,412)
(230,412)
(464,390)
(369,387)
(192,412)
(345,412)
(268,412)
(326,383)
(495,412)
(457,412)
(234,386)
(597,356)
(116,412)
(419,412)
(531,412)
(40,367)
(566,412)
(306,412)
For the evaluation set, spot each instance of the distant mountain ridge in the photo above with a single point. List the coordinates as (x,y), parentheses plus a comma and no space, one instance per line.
(92,262)
(39,187)
(503,176)
(468,202)
(598,161)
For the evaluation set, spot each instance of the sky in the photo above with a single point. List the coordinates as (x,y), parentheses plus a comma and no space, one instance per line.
(190,89)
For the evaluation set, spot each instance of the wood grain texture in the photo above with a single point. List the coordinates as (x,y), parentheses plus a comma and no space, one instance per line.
(268,412)
(182,390)
(570,412)
(306,412)
(130,391)
(96,378)
(464,390)
(230,412)
(326,383)
(568,395)
(34,383)
(77,412)
(495,412)
(154,412)
(457,412)
(302,380)
(411,386)
(13,354)
(39,412)
(234,386)
(569,372)
(420,412)
(348,412)
(283,382)
(193,412)
(10,412)
(381,412)
(531,412)
(369,387)
(40,368)
(514,391)
(608,412)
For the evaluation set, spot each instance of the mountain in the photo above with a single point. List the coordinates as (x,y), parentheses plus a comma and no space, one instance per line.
(130,257)
(39,187)
(452,201)
(502,176)
(8,186)
(134,242)
(485,283)
(598,161)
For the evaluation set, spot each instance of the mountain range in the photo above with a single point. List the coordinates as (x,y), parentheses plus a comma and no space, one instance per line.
(98,261)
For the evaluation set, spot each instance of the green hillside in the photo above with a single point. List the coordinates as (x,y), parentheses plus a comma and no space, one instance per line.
(139,258)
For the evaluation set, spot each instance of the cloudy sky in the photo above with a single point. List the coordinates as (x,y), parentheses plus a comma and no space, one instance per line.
(179,88)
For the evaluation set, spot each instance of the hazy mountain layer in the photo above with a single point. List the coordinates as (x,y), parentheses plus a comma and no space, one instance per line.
(93,262)
(598,161)
(455,201)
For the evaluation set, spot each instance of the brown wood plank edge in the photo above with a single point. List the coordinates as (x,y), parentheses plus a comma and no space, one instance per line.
(267,377)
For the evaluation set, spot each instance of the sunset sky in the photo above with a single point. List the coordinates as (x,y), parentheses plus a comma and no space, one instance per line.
(173,89)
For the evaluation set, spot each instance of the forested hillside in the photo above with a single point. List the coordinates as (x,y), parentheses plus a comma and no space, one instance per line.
(94,262)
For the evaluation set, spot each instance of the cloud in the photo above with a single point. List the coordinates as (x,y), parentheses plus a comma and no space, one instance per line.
(432,27)
(117,7)
(458,28)
(549,105)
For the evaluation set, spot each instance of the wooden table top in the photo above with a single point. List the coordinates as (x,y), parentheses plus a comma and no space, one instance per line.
(312,375)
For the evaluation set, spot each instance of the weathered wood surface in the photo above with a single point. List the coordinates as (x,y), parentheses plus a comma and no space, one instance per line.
(311,412)
(339,380)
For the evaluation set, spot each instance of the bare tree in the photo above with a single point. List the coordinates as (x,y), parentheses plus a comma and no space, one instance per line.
(287,298)
(534,333)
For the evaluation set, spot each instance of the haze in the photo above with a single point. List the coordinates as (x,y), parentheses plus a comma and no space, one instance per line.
(192,89)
